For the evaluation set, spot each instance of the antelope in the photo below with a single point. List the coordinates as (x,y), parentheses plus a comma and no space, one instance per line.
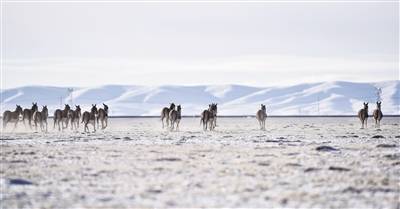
(41,118)
(378,115)
(165,114)
(103,117)
(61,116)
(12,117)
(261,116)
(363,115)
(28,113)
(175,117)
(208,117)
(90,118)
(74,116)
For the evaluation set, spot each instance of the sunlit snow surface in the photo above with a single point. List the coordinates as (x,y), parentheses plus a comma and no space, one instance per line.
(134,163)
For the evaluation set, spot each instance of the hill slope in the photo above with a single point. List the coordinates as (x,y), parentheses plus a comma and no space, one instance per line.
(326,98)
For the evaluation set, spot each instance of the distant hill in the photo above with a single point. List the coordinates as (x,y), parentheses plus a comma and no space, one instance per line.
(325,98)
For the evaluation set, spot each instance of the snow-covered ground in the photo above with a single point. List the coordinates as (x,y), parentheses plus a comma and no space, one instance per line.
(326,98)
(297,162)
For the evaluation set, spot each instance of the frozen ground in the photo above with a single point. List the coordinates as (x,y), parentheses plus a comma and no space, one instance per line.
(136,164)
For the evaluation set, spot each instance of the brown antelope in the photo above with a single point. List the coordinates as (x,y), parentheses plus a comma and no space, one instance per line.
(208,117)
(12,117)
(74,116)
(363,115)
(103,117)
(261,116)
(175,117)
(378,115)
(28,113)
(61,117)
(41,118)
(165,114)
(90,117)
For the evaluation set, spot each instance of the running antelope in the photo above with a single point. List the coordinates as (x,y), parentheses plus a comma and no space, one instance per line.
(90,118)
(208,117)
(12,117)
(103,117)
(175,117)
(28,114)
(363,115)
(378,115)
(261,116)
(41,118)
(61,117)
(165,114)
(74,116)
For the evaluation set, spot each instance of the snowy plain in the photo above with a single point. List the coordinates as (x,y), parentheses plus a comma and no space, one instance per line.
(296,162)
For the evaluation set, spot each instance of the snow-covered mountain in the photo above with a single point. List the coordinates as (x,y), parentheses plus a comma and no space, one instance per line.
(325,98)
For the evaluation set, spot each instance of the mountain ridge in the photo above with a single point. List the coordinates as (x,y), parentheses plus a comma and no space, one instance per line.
(322,98)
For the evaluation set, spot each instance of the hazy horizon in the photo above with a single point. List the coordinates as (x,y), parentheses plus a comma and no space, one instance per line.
(152,44)
(189,85)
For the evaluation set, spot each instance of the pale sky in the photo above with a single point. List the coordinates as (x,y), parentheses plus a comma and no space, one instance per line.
(259,44)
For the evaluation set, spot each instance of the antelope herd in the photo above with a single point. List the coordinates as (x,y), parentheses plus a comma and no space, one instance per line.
(62,118)
(170,117)
(209,117)
(377,114)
